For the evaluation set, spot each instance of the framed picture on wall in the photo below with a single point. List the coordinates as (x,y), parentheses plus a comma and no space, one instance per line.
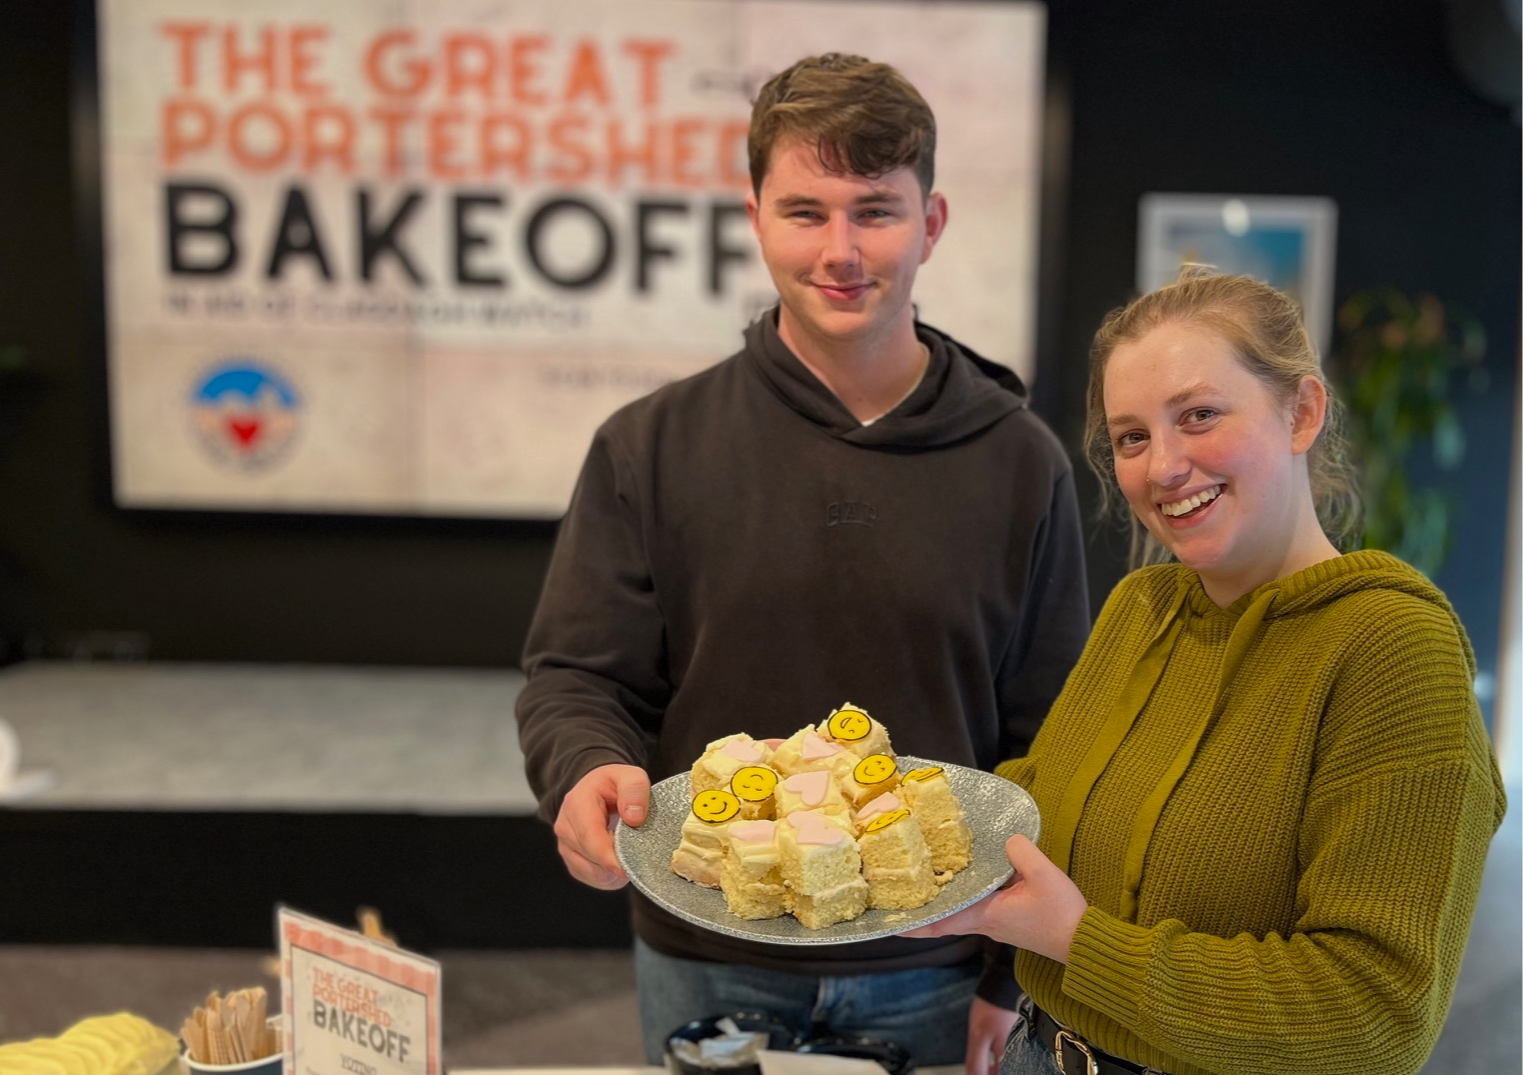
(1285,242)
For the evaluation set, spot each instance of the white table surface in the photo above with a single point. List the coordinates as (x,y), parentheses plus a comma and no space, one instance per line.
(631,1071)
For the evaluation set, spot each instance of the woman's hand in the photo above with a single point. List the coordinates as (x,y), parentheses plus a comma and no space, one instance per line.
(1038,911)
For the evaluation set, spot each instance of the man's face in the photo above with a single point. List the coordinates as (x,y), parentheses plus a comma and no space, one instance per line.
(842,249)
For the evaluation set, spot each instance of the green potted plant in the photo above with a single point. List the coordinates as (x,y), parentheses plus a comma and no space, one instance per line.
(12,360)
(1399,363)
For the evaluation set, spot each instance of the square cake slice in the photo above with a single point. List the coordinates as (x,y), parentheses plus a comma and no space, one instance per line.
(751,877)
(822,868)
(928,795)
(896,862)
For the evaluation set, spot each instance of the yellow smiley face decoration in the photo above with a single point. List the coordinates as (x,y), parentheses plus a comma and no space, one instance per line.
(883,821)
(848,724)
(923,774)
(873,769)
(754,783)
(715,806)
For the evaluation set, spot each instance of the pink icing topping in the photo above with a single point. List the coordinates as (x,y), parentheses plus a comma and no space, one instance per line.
(815,748)
(814,829)
(881,805)
(754,832)
(773,744)
(741,750)
(811,787)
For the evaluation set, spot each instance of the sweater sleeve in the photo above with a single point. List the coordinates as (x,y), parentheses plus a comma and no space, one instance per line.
(1402,805)
(595,653)
(1053,627)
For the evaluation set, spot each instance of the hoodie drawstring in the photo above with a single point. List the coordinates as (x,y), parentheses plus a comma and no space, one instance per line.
(1244,632)
(1139,687)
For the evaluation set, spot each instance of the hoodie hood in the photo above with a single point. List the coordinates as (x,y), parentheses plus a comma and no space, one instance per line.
(961,393)
(1324,583)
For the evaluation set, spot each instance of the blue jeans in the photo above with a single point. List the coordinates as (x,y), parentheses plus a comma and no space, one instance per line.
(925,1010)
(1026,1056)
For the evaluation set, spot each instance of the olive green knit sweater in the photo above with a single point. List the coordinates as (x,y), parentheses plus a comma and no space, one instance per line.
(1279,813)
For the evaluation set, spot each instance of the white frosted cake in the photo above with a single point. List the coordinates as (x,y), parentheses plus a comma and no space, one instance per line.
(822,868)
(705,832)
(723,757)
(821,825)
(751,876)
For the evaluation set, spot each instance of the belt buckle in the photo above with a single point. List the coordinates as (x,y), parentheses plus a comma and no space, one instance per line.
(1064,1034)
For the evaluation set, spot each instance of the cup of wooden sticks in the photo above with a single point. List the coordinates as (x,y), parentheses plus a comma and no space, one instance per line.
(234,1033)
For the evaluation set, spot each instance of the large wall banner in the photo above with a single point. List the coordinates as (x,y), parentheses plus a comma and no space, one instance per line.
(403,257)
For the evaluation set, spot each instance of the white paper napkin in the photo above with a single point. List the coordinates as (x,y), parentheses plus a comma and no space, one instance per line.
(16,785)
(808,1064)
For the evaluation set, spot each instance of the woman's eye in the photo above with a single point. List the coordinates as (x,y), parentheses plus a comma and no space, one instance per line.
(1200,414)
(1129,440)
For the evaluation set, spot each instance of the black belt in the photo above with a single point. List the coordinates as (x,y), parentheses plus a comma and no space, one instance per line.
(1074,1055)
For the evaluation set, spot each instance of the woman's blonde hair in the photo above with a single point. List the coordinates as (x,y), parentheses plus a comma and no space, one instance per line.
(1266,330)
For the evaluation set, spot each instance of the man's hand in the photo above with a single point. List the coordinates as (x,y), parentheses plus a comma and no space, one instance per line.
(989,1028)
(584,827)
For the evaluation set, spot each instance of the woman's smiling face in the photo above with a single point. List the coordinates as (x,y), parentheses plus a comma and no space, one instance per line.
(1209,460)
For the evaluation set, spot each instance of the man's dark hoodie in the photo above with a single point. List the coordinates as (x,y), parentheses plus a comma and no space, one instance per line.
(741,554)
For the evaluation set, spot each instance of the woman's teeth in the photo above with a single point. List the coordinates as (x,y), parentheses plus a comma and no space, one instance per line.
(1184,507)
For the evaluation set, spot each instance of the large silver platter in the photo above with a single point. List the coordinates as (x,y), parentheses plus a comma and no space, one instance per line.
(996,809)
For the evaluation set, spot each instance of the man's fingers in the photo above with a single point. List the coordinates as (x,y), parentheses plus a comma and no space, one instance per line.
(634,796)
(590,873)
(585,823)
(989,1028)
(583,830)
(584,826)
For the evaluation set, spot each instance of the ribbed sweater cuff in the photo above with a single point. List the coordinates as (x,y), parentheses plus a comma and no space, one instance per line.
(1107,965)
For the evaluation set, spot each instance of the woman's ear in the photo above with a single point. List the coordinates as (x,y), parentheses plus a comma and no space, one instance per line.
(1309,411)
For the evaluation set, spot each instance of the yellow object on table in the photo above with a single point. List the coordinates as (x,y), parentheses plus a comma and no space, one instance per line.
(120,1044)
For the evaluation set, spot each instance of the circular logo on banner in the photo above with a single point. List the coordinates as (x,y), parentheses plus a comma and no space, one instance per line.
(245,412)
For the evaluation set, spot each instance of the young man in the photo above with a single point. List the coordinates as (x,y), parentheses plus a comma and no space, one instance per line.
(855,507)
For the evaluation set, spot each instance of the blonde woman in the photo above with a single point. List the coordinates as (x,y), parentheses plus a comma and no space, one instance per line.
(1266,789)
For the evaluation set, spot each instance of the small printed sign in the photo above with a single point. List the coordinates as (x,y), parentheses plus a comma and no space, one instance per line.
(354,1004)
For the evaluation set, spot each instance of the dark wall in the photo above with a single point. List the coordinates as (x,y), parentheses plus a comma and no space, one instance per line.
(1357,100)
(1354,99)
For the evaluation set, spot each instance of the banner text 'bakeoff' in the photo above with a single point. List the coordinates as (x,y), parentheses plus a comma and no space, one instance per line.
(572,121)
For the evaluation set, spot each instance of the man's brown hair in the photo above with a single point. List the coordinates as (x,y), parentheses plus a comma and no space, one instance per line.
(864,118)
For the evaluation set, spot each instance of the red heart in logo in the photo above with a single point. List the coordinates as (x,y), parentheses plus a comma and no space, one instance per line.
(244,430)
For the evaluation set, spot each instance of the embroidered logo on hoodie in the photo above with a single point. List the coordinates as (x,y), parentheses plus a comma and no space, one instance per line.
(850,511)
